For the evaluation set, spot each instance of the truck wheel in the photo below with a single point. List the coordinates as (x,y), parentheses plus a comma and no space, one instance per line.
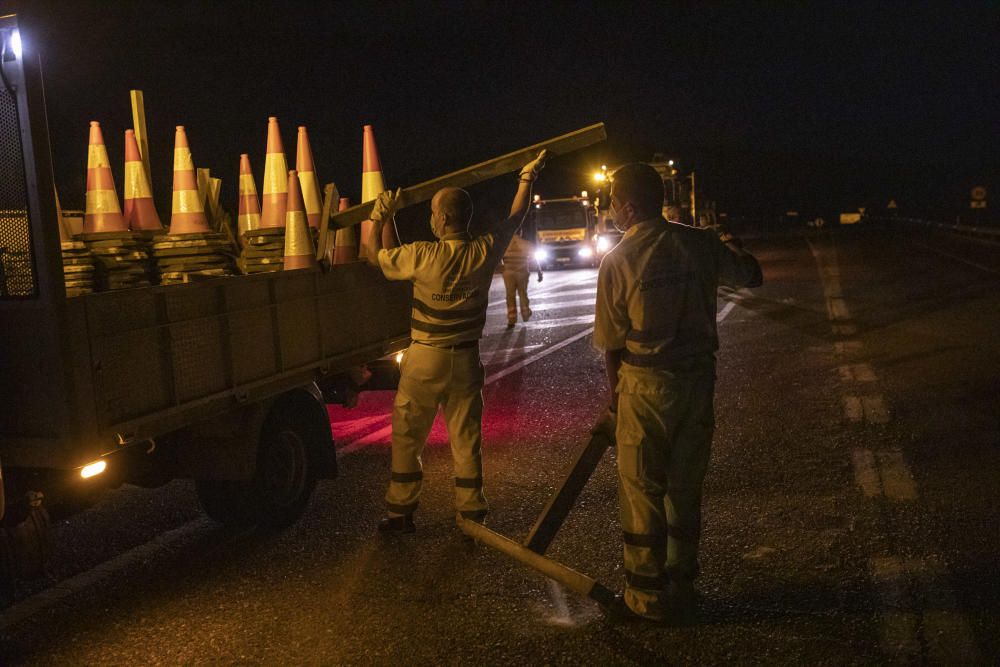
(284,480)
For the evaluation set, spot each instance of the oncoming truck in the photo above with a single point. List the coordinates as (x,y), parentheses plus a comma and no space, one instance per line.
(565,231)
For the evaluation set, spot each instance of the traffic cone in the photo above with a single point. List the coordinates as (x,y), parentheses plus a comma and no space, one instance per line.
(272,212)
(187,212)
(299,251)
(140,213)
(307,178)
(372,183)
(249,210)
(102,213)
(345,246)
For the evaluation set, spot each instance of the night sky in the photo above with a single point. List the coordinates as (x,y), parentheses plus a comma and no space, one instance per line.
(810,106)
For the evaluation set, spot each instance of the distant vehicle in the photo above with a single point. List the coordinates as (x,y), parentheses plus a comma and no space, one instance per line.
(565,232)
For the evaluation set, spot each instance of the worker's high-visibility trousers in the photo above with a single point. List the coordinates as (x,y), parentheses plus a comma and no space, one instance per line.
(516,283)
(664,436)
(452,378)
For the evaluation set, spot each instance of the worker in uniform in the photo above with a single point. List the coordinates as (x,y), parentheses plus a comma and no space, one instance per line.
(516,271)
(451,281)
(655,322)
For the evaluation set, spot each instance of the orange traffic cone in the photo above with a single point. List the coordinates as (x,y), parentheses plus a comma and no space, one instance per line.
(307,178)
(345,245)
(102,213)
(249,210)
(140,214)
(372,183)
(272,212)
(299,251)
(187,212)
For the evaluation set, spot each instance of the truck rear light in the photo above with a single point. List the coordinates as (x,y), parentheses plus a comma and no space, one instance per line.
(93,469)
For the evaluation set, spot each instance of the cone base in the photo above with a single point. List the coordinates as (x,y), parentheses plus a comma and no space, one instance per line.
(293,262)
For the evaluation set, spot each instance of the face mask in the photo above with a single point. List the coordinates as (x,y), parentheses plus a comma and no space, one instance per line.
(619,224)
(435,229)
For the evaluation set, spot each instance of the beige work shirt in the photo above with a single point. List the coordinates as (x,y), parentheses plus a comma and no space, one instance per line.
(518,254)
(451,283)
(656,292)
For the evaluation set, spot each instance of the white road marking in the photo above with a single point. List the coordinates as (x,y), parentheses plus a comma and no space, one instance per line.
(899,620)
(957,258)
(352,426)
(501,304)
(838,311)
(535,306)
(554,323)
(876,411)
(847,347)
(857,373)
(865,472)
(507,353)
(852,408)
(722,314)
(897,480)
(920,604)
(142,553)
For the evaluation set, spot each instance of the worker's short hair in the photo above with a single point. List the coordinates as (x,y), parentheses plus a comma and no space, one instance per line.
(639,184)
(457,205)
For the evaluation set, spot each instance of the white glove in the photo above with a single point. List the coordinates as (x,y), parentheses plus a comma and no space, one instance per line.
(386,205)
(529,172)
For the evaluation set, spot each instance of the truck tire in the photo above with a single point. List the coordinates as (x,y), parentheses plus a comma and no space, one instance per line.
(285,476)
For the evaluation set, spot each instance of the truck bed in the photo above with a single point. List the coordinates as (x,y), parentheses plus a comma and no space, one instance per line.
(147,361)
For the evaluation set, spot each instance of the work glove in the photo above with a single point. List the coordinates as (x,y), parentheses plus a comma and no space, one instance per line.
(529,172)
(606,425)
(386,205)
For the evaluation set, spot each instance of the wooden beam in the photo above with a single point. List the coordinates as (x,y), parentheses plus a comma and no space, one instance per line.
(478,173)
(330,195)
(139,127)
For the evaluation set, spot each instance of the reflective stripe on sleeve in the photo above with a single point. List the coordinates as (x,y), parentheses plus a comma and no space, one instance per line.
(406,477)
(469,482)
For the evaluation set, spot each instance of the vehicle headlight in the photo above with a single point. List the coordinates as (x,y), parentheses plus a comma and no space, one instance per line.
(603,244)
(541,255)
(585,252)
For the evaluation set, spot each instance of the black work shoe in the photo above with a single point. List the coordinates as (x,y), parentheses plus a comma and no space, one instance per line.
(397,525)
(510,325)
(619,612)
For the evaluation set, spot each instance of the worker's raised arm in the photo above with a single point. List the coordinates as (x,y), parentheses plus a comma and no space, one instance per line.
(522,200)
(382,213)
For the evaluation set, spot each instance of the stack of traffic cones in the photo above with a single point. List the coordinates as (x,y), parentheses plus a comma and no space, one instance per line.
(372,184)
(345,246)
(78,263)
(300,253)
(120,258)
(264,246)
(190,250)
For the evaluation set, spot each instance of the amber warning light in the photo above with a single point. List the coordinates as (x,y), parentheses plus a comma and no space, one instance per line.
(93,469)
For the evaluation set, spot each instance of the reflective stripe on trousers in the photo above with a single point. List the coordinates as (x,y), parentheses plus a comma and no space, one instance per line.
(453,379)
(664,440)
(516,283)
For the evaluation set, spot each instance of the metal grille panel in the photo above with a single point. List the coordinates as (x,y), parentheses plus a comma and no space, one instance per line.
(17,266)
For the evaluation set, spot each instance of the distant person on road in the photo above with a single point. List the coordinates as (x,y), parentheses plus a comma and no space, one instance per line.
(451,282)
(655,323)
(516,271)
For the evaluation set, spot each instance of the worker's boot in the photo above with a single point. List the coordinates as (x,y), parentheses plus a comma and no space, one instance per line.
(397,525)
(681,601)
(526,315)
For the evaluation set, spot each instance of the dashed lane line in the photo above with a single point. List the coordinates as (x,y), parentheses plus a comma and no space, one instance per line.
(957,258)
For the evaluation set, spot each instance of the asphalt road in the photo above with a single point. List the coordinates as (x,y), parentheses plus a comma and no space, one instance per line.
(851,508)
